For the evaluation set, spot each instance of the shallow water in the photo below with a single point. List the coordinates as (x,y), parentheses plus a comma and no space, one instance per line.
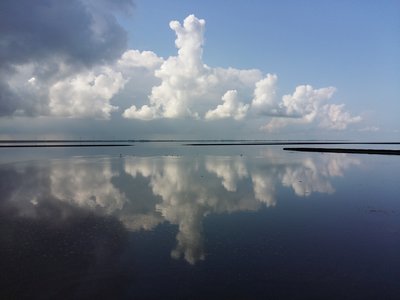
(162,220)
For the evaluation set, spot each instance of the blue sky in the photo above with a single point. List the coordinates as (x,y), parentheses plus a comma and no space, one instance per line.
(334,70)
(353,45)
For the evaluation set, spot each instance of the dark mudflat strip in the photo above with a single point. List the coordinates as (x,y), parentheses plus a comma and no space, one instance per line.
(342,150)
(65,145)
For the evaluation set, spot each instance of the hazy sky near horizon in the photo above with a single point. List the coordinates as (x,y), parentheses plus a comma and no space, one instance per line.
(200,69)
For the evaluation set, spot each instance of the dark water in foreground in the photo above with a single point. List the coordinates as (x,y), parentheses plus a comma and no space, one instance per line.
(176,222)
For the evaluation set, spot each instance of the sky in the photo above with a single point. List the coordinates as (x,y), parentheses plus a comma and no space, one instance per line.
(150,69)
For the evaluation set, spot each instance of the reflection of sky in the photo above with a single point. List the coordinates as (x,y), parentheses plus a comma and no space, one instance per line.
(143,192)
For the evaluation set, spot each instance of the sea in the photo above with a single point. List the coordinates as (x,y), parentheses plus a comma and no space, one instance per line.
(197,220)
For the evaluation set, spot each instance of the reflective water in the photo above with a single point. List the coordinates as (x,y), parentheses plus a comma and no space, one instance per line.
(170,221)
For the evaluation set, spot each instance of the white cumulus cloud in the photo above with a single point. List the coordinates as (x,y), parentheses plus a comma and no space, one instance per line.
(265,98)
(190,89)
(306,106)
(334,117)
(86,94)
(137,59)
(231,107)
(145,86)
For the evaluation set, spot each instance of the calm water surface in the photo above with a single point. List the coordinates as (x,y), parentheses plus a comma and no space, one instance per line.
(165,221)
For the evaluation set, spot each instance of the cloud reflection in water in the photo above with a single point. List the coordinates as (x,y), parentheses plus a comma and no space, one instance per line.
(143,192)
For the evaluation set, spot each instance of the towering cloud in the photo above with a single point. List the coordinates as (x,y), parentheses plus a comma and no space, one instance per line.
(189,88)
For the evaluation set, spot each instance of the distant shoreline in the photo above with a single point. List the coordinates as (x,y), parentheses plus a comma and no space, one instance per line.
(196,142)
(343,150)
(64,145)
